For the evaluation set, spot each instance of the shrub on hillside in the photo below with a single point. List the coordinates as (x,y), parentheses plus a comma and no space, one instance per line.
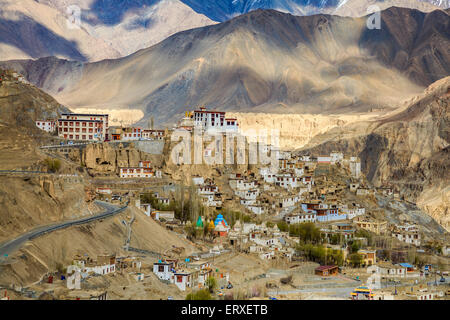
(53,165)
(199,295)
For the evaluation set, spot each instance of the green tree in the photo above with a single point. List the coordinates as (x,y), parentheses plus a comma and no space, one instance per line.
(211,283)
(307,232)
(334,239)
(203,294)
(355,259)
(185,209)
(336,256)
(283,226)
(53,165)
(354,248)
(361,233)
(318,253)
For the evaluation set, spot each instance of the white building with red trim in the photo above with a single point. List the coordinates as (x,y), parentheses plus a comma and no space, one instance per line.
(153,134)
(302,217)
(131,134)
(164,270)
(186,278)
(83,127)
(46,125)
(241,184)
(144,170)
(407,237)
(214,121)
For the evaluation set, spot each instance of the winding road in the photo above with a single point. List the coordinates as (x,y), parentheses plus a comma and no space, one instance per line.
(11,246)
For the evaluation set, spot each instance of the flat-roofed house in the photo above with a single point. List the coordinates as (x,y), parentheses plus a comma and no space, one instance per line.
(326,271)
(164,270)
(209,120)
(46,125)
(369,257)
(186,278)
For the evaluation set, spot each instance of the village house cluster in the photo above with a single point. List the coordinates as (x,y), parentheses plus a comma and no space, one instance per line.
(300,190)
(267,242)
(136,133)
(186,274)
(303,190)
(208,192)
(83,267)
(159,215)
(194,272)
(327,191)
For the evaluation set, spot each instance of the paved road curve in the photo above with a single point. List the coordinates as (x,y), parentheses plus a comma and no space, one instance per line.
(9,247)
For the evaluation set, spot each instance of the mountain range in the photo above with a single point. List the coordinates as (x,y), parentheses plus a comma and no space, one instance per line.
(263,61)
(108,29)
(112,29)
(224,10)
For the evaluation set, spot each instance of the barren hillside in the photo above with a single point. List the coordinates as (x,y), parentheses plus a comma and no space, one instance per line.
(20,106)
(31,200)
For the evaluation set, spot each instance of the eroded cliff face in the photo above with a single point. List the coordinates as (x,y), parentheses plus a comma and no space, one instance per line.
(295,130)
(435,201)
(108,158)
(408,150)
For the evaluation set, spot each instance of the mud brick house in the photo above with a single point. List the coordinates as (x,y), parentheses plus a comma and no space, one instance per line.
(325,271)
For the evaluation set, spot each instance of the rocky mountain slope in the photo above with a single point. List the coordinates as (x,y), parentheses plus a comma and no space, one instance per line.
(21,105)
(109,29)
(264,61)
(408,150)
(31,200)
(115,28)
(357,8)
